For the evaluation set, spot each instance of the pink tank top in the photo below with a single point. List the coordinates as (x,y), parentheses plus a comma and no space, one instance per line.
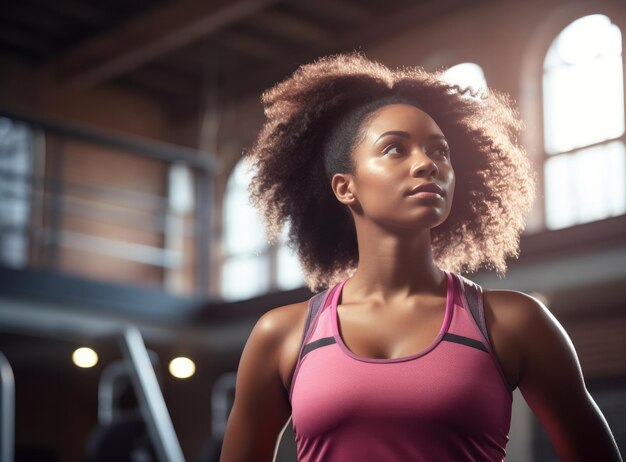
(449,402)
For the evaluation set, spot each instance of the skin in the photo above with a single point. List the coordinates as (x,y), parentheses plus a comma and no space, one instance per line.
(394,303)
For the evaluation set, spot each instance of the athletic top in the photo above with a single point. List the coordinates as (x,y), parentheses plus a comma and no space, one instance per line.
(449,402)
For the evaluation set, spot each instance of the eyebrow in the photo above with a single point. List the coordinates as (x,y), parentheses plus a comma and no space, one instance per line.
(407,135)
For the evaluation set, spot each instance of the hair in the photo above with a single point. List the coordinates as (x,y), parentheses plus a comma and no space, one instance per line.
(313,120)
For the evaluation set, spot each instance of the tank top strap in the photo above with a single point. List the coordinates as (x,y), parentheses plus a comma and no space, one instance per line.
(472,293)
(315,306)
(472,299)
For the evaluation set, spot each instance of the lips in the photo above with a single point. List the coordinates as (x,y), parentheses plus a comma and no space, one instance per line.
(427,187)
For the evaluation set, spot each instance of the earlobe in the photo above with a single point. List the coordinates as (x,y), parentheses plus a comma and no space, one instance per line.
(343,188)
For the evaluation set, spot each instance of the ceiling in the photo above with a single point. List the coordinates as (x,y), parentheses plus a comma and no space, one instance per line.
(180,50)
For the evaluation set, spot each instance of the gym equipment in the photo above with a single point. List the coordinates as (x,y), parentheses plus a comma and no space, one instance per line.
(7,410)
(121,434)
(222,398)
(145,434)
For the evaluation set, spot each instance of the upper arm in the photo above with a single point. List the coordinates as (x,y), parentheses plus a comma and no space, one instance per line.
(552,383)
(261,406)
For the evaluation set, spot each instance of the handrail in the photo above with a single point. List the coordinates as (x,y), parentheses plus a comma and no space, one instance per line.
(7,410)
(147,148)
(134,198)
(54,200)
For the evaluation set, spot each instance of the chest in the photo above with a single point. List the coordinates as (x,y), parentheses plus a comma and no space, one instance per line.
(451,386)
(389,333)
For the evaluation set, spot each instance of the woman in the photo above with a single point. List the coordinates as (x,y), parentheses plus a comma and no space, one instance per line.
(385,178)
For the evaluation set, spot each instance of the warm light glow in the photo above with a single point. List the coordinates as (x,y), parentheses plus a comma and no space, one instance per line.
(583,85)
(584,119)
(466,75)
(182,367)
(85,357)
(541,297)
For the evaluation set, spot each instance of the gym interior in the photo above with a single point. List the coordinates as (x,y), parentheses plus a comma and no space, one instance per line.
(132,268)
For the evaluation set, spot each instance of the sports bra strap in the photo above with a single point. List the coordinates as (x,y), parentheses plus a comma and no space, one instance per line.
(315,303)
(474,295)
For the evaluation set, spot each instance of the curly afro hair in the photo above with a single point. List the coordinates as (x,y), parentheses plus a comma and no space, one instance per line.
(296,153)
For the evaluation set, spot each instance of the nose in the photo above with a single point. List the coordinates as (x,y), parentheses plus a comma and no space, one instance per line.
(423,165)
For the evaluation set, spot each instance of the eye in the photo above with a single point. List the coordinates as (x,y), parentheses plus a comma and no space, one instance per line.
(393,149)
(444,150)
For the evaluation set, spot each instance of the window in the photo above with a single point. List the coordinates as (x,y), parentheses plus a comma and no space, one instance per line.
(248,268)
(466,75)
(583,88)
(16,166)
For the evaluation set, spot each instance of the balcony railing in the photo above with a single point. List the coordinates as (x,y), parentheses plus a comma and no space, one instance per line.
(104,206)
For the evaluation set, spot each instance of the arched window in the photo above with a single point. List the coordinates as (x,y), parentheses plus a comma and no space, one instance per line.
(17,161)
(466,75)
(583,90)
(251,267)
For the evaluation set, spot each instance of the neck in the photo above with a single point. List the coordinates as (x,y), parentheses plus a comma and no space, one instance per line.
(395,267)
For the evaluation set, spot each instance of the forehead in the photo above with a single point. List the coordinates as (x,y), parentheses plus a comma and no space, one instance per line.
(400,117)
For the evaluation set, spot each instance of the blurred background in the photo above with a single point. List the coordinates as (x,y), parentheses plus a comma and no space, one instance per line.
(126,237)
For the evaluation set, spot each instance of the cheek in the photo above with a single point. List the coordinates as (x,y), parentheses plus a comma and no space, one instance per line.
(453,181)
(376,182)
(451,184)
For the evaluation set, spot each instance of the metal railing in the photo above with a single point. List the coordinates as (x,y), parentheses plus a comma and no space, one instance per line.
(46,212)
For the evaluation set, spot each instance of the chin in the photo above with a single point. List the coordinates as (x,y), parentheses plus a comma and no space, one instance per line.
(422,223)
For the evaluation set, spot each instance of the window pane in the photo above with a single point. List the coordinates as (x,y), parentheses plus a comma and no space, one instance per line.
(243,229)
(583,85)
(466,75)
(573,45)
(584,186)
(289,274)
(16,162)
(246,271)
(584,104)
(289,270)
(181,189)
(245,277)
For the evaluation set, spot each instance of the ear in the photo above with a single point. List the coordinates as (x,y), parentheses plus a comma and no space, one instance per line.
(343,188)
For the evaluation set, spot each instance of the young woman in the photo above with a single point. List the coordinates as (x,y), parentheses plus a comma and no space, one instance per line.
(393,182)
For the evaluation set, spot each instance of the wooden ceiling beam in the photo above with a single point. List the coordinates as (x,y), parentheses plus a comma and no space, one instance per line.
(75,11)
(292,28)
(167,82)
(147,38)
(402,18)
(344,10)
(251,46)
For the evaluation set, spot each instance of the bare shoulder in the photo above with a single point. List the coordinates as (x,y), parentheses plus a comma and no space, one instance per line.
(527,320)
(261,407)
(283,326)
(515,311)
(279,322)
(511,317)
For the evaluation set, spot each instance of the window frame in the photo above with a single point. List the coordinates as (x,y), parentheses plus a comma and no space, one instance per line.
(547,156)
(267,251)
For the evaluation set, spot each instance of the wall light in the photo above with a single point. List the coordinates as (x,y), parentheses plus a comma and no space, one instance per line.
(85,357)
(182,368)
